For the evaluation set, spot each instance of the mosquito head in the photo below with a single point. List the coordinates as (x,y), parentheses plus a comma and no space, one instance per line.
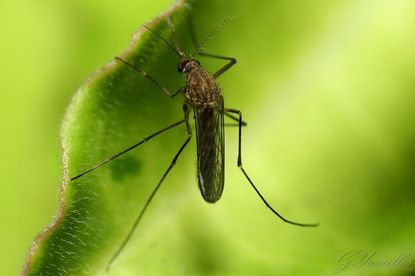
(186,65)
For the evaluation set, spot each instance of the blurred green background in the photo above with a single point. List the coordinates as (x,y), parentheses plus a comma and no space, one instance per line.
(327,88)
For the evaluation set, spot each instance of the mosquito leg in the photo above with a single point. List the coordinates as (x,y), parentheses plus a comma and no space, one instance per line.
(178,91)
(143,210)
(148,76)
(231,125)
(128,149)
(229,115)
(186,111)
(225,68)
(235,111)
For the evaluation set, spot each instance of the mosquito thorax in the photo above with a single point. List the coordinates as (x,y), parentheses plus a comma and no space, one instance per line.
(188,64)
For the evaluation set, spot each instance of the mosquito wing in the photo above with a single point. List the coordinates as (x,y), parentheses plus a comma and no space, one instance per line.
(210,152)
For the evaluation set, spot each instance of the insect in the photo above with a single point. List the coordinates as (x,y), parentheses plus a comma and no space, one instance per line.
(202,95)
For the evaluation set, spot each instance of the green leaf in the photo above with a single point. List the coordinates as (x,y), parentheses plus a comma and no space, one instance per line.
(115,108)
(328,140)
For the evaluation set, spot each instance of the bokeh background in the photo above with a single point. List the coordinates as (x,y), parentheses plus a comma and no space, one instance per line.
(327,88)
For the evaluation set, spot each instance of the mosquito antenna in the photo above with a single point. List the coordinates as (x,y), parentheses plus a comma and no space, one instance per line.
(173,33)
(211,34)
(165,41)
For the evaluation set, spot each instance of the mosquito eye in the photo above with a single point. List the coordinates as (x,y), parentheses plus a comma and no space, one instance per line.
(181,66)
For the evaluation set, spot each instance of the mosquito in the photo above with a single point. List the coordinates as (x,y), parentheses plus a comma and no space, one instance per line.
(202,95)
